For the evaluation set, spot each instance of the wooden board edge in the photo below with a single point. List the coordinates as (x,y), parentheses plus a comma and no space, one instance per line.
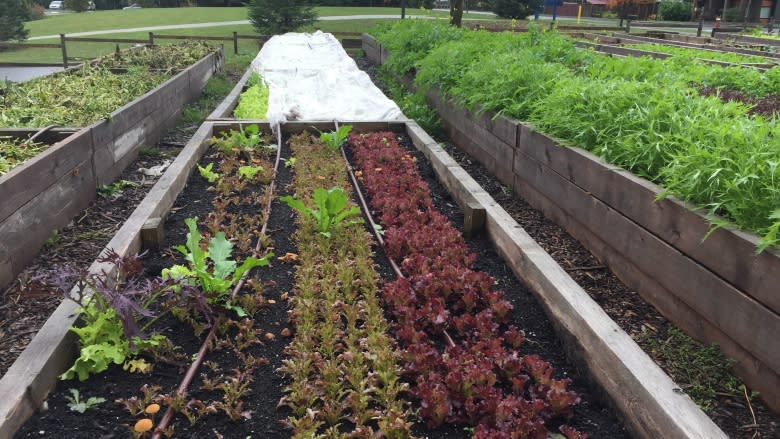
(613,359)
(34,374)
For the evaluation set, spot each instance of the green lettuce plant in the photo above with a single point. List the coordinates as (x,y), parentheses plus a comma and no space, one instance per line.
(331,210)
(334,139)
(213,269)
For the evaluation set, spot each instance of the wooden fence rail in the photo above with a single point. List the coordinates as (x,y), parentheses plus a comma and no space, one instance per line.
(350,40)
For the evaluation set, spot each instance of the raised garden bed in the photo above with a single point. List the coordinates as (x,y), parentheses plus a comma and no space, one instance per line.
(45,192)
(713,47)
(655,247)
(644,395)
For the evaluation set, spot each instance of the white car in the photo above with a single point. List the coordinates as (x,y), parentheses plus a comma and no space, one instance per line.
(56,5)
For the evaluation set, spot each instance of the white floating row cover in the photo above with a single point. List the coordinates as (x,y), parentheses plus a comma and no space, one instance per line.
(311,77)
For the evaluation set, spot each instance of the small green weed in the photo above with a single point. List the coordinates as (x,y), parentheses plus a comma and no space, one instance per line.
(77,405)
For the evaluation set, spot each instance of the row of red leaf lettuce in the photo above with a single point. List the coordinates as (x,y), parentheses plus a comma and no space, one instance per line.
(482,379)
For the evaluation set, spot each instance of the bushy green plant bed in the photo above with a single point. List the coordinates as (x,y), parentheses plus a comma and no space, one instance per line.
(642,114)
(175,57)
(89,94)
(253,103)
(735,58)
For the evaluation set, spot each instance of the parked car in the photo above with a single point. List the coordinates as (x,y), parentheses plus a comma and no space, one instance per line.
(133,6)
(59,5)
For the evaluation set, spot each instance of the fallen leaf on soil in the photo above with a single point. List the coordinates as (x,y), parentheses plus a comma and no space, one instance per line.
(269,336)
(286,332)
(289,258)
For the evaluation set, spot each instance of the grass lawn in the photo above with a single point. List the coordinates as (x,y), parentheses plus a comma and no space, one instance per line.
(246,47)
(132,18)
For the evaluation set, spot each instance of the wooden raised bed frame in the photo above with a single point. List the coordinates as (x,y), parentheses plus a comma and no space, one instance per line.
(643,394)
(44,193)
(717,289)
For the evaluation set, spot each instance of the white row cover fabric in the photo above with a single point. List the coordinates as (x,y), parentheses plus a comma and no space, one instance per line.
(311,77)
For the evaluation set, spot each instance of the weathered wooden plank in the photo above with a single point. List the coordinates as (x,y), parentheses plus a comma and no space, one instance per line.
(351,43)
(745,320)
(24,182)
(755,374)
(645,396)
(34,374)
(26,230)
(727,252)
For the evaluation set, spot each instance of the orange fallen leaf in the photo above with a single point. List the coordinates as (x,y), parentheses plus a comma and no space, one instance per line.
(289,258)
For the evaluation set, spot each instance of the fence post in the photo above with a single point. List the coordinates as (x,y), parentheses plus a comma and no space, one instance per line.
(628,26)
(151,39)
(235,42)
(701,24)
(64,51)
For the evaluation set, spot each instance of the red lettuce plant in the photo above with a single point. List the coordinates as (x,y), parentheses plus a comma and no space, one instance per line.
(482,380)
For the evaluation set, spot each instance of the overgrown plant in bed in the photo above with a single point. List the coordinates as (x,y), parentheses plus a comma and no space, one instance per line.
(168,57)
(342,365)
(459,353)
(137,324)
(641,114)
(86,95)
(14,152)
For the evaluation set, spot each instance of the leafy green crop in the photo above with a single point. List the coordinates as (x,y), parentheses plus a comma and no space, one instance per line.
(207,173)
(167,57)
(334,139)
(691,53)
(641,114)
(76,99)
(14,152)
(249,172)
(213,269)
(331,209)
(253,103)
(103,342)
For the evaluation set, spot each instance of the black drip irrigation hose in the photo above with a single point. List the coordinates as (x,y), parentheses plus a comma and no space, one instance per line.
(185,383)
(40,132)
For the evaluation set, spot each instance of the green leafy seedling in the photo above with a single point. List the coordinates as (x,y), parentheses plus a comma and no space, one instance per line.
(212,269)
(115,189)
(77,405)
(207,173)
(289,163)
(334,139)
(249,172)
(331,209)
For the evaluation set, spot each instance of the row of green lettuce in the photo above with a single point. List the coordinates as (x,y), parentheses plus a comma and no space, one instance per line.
(92,92)
(642,114)
(253,102)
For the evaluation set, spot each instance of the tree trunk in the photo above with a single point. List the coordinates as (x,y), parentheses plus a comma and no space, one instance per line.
(456,12)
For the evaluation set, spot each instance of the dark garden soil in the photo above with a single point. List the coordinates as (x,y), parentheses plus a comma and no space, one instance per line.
(261,417)
(671,350)
(24,309)
(591,416)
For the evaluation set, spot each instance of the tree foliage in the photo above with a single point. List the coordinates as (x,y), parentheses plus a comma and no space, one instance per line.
(675,11)
(517,9)
(270,17)
(13,13)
